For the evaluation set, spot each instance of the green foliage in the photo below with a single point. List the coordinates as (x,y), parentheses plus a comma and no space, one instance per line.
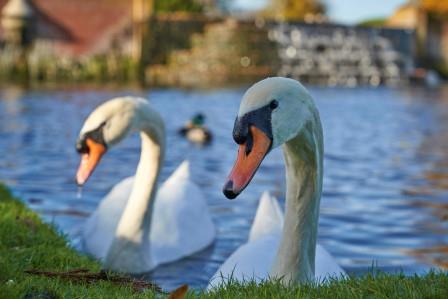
(177,5)
(27,243)
(292,9)
(47,68)
(375,22)
(441,68)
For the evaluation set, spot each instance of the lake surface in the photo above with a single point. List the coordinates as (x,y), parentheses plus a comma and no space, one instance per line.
(385,199)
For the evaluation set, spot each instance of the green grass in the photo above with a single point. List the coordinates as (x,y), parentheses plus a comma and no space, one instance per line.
(27,243)
(432,285)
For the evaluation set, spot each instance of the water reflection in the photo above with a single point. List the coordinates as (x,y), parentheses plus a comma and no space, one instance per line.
(385,181)
(430,188)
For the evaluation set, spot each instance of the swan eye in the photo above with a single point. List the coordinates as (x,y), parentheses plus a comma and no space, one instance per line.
(273,104)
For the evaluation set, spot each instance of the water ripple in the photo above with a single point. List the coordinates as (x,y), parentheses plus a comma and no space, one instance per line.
(385,182)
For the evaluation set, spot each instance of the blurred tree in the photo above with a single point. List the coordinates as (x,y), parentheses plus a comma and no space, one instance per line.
(293,9)
(178,5)
(375,22)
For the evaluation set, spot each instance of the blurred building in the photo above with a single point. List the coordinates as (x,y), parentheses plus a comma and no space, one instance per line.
(76,27)
(116,39)
(430,20)
(405,16)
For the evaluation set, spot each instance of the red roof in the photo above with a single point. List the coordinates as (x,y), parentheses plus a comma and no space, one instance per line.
(86,24)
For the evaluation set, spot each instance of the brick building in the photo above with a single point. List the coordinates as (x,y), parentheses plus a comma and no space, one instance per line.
(79,27)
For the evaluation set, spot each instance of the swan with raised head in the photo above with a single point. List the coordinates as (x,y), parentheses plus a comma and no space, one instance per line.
(137,227)
(273,112)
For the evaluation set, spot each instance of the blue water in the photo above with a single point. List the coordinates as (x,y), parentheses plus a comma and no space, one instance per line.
(385,184)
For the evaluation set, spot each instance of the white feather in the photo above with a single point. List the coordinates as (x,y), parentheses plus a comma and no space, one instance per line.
(254,259)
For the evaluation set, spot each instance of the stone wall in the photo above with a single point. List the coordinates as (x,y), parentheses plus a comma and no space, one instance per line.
(227,52)
(328,54)
(232,51)
(172,32)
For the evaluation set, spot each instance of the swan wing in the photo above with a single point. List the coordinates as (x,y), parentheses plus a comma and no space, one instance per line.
(181,222)
(268,218)
(326,265)
(254,259)
(251,261)
(99,229)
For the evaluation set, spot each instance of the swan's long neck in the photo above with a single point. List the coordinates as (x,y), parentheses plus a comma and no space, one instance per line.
(129,250)
(303,158)
(134,222)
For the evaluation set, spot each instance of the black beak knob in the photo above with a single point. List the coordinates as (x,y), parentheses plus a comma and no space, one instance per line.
(228,190)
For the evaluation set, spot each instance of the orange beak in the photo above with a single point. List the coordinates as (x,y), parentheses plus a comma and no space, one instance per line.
(246,164)
(89,161)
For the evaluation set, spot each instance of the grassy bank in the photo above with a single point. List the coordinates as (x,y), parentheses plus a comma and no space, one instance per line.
(432,285)
(27,243)
(50,68)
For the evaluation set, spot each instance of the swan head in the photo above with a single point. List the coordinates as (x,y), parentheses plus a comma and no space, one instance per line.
(106,126)
(272,112)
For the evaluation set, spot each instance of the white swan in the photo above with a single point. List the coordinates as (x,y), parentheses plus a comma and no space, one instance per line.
(274,112)
(136,228)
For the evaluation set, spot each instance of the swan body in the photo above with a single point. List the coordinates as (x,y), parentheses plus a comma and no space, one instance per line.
(178,211)
(280,112)
(137,227)
(254,259)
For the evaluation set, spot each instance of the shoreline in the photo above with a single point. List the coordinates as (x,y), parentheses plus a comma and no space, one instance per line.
(26,243)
